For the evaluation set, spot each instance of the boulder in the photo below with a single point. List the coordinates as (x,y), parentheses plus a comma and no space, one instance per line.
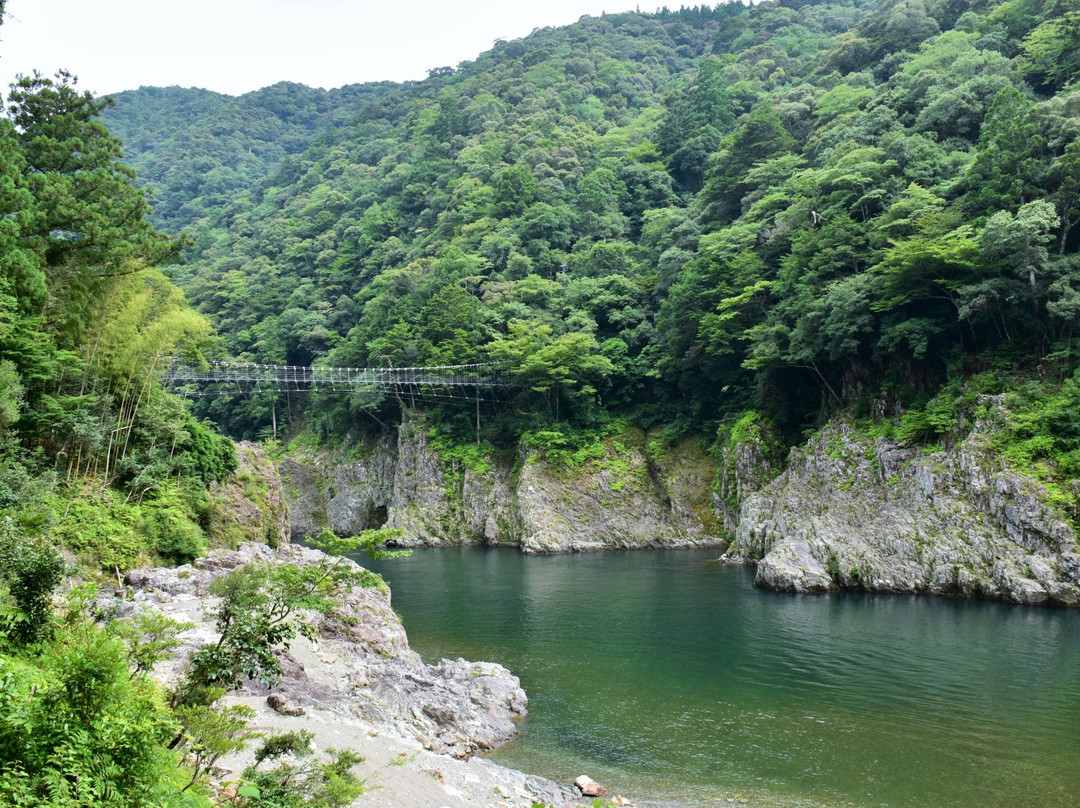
(589,787)
(855,512)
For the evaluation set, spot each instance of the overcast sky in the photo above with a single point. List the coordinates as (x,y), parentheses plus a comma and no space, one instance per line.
(234,46)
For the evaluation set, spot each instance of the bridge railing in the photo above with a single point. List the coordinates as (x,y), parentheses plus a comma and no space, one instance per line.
(486,375)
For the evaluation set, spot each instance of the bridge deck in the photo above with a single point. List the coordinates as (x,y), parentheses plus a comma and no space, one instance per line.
(292,377)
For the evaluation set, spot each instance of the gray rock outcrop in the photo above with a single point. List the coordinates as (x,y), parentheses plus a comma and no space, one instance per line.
(634,495)
(852,513)
(362,666)
(250,505)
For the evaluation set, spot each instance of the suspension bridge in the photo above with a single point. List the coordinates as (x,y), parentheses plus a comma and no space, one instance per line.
(249,376)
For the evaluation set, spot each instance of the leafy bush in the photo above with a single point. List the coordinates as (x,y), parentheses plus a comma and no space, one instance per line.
(103,533)
(468,455)
(30,569)
(570,447)
(78,729)
(303,781)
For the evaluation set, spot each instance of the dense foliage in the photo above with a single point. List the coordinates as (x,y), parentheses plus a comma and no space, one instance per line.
(797,208)
(790,206)
(83,723)
(215,146)
(86,319)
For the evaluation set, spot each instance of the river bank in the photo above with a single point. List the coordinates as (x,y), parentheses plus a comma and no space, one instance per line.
(418,726)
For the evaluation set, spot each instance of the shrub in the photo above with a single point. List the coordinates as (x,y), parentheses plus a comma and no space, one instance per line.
(30,568)
(78,729)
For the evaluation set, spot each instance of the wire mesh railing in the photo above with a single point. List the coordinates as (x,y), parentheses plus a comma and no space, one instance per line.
(181,372)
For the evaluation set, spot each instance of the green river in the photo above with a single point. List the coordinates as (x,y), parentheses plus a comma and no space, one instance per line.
(671,680)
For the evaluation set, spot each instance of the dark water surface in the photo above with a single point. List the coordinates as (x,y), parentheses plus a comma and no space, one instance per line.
(668,677)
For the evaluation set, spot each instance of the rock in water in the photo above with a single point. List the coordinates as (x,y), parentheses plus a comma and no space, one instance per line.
(589,787)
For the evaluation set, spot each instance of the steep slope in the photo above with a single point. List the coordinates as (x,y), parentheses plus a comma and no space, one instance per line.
(197,149)
(683,213)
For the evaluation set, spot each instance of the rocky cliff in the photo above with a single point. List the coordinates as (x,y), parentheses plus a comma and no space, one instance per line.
(843,511)
(851,512)
(456,708)
(630,494)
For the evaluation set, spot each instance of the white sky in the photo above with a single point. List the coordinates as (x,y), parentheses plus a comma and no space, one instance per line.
(235,46)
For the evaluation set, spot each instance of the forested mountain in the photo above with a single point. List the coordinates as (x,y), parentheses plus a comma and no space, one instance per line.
(197,149)
(793,207)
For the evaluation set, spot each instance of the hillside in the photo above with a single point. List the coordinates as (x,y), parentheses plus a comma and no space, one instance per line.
(196,148)
(672,216)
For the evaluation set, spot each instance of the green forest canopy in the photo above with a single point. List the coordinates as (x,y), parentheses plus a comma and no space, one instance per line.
(671,217)
(787,206)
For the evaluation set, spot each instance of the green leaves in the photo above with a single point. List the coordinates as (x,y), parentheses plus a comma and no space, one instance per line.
(927,268)
(77,729)
(1007,168)
(545,363)
(652,213)
(302,780)
(30,569)
(1051,53)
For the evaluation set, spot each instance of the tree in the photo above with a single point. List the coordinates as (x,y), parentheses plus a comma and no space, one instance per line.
(1017,244)
(450,328)
(89,225)
(1066,172)
(760,137)
(693,123)
(515,189)
(569,363)
(1051,53)
(896,25)
(919,294)
(1007,167)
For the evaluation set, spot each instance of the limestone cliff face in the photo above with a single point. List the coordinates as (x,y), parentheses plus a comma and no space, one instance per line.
(852,513)
(437,500)
(843,512)
(630,497)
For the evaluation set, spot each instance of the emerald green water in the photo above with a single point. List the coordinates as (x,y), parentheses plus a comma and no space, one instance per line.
(673,681)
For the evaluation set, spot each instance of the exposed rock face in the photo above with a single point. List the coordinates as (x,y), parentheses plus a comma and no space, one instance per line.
(437,501)
(633,496)
(848,513)
(347,490)
(362,666)
(624,500)
(251,504)
(751,456)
